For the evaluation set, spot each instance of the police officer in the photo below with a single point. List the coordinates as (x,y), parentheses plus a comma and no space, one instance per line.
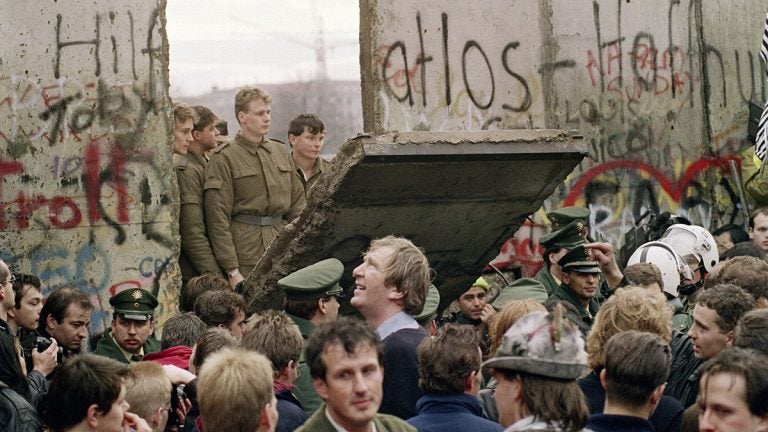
(130,337)
(580,286)
(251,189)
(560,241)
(311,298)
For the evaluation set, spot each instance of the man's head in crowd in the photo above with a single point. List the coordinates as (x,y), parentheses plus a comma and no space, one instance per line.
(87,392)
(133,318)
(450,361)
(253,112)
(7,295)
(472,301)
(211,341)
(733,392)
(393,277)
(581,273)
(536,368)
(182,329)
(758,228)
(276,336)
(235,392)
(148,392)
(344,359)
(196,286)
(636,368)
(183,122)
(65,316)
(306,135)
(225,309)
(727,236)
(747,272)
(28,302)
(627,309)
(646,275)
(752,331)
(312,292)
(717,311)
(204,130)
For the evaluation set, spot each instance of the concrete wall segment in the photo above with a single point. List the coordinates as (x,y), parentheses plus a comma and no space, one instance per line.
(87,188)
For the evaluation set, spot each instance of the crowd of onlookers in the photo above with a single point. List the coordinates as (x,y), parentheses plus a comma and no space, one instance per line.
(674,339)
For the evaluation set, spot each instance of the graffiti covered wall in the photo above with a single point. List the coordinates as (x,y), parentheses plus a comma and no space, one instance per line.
(86,184)
(658,88)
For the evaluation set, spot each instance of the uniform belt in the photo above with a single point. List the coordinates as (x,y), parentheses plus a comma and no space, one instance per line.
(258,220)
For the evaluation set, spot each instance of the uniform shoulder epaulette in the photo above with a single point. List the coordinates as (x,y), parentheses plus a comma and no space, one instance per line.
(276,140)
(221,147)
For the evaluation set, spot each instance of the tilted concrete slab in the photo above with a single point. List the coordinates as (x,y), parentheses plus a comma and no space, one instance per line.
(457,195)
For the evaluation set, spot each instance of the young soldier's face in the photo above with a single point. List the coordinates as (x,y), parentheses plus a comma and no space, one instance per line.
(307,145)
(255,121)
(207,136)
(131,334)
(182,136)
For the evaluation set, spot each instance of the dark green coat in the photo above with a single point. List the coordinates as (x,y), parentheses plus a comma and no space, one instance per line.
(585,316)
(304,390)
(108,348)
(545,277)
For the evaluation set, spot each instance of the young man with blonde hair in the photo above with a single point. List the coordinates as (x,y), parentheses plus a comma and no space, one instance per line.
(390,288)
(148,392)
(235,392)
(251,189)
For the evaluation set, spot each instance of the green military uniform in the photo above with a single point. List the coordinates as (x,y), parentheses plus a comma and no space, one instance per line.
(318,167)
(579,260)
(521,289)
(133,304)
(196,256)
(251,192)
(319,422)
(566,237)
(310,284)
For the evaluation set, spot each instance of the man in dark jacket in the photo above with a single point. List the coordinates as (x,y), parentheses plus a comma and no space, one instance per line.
(449,375)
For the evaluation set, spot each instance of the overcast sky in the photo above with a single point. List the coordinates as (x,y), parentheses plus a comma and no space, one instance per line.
(229,43)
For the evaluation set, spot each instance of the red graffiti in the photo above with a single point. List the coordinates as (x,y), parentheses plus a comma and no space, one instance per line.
(523,250)
(674,190)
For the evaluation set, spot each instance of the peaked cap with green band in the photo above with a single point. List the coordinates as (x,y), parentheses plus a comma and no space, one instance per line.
(314,282)
(571,235)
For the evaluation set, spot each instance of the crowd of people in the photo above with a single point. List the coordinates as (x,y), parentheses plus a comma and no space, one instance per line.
(675,340)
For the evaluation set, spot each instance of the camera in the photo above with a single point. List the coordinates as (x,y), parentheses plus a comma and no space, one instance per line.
(42,343)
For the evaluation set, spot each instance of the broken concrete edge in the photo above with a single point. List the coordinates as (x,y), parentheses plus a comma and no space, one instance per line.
(294,247)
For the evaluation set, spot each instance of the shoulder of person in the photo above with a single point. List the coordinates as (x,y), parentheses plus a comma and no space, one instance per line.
(221,147)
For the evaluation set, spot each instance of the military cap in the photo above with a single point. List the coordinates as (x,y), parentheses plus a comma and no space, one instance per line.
(521,289)
(573,234)
(134,304)
(563,216)
(314,282)
(579,259)
(430,305)
(543,344)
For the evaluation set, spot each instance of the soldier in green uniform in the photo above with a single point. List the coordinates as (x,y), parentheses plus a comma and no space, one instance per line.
(251,189)
(556,244)
(196,256)
(580,286)
(130,337)
(311,298)
(306,135)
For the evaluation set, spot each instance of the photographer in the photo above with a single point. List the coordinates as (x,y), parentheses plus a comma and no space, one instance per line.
(65,317)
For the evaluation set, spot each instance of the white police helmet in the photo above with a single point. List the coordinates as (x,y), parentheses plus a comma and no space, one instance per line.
(673,269)
(693,240)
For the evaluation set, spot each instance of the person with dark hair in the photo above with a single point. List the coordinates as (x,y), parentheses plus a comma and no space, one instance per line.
(748,273)
(345,361)
(251,190)
(195,256)
(646,275)
(130,338)
(306,136)
(450,377)
(88,393)
(28,301)
(312,298)
(196,286)
(747,248)
(536,367)
(65,316)
(17,414)
(636,368)
(717,311)
(179,335)
(752,331)
(224,309)
(758,228)
(733,392)
(727,236)
(390,289)
(276,336)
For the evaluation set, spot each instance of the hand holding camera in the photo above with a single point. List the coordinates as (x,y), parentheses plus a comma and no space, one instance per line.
(46,355)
